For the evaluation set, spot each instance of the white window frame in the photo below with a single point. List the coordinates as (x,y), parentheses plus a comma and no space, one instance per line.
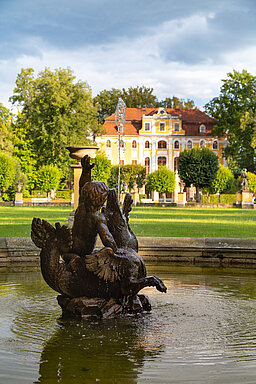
(190,141)
(177,124)
(215,141)
(202,128)
(164,124)
(147,124)
(176,141)
(204,143)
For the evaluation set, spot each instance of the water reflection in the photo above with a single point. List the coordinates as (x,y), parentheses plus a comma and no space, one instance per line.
(107,351)
(202,330)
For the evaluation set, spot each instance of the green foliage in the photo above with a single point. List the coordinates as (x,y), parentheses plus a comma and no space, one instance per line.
(49,177)
(24,149)
(234,110)
(198,166)
(65,194)
(224,181)
(102,168)
(7,171)
(252,182)
(5,130)
(131,176)
(223,199)
(134,97)
(175,102)
(58,113)
(162,180)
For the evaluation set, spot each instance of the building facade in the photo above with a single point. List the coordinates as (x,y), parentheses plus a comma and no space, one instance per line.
(155,136)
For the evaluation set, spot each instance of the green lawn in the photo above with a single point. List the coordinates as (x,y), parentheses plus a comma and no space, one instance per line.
(151,221)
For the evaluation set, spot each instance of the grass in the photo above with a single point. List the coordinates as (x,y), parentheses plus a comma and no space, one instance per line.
(151,221)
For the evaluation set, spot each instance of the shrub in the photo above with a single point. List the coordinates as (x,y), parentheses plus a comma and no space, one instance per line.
(49,177)
(7,171)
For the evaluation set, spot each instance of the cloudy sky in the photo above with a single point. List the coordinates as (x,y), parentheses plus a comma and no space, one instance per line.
(181,47)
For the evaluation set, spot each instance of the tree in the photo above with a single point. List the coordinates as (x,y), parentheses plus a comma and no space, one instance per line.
(5,130)
(106,101)
(198,166)
(162,181)
(175,102)
(24,150)
(235,111)
(252,182)
(58,111)
(7,171)
(102,168)
(131,176)
(224,181)
(49,178)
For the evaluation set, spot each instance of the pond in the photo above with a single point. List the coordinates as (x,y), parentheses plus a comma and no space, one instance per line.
(202,331)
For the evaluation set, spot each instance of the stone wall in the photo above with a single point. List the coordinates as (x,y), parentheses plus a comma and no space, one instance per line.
(164,250)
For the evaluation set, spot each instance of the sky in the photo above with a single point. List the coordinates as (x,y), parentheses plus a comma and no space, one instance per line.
(183,47)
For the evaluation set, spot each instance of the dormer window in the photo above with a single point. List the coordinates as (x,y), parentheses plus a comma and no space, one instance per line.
(162,127)
(161,111)
(176,127)
(202,128)
(147,127)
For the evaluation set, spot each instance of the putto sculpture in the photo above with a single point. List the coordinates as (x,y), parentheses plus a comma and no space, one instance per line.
(91,282)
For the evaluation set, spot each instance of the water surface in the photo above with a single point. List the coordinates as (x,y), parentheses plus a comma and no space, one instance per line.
(202,331)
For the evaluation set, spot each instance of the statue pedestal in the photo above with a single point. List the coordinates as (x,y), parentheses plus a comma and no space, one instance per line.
(181,201)
(18,199)
(244,199)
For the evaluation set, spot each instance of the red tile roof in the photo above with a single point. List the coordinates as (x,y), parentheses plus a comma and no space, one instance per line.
(191,120)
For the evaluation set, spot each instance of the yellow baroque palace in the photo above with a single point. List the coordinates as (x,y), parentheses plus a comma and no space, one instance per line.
(155,136)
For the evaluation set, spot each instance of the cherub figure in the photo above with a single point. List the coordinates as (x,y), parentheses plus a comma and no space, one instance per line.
(89,221)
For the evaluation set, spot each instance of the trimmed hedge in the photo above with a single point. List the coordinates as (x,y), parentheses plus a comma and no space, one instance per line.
(65,194)
(222,198)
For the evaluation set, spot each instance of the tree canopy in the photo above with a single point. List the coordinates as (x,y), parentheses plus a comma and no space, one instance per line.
(5,130)
(198,166)
(7,171)
(133,97)
(48,178)
(235,111)
(131,176)
(161,180)
(58,112)
(224,181)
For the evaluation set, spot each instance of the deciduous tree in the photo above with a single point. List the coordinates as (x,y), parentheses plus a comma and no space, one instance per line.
(7,171)
(5,130)
(198,166)
(235,112)
(161,180)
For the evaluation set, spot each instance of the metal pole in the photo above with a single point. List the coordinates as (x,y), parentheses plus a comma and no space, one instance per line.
(120,121)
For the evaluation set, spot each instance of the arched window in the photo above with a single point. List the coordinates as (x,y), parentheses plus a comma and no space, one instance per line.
(147,165)
(202,128)
(147,145)
(189,144)
(134,144)
(161,144)
(176,144)
(121,144)
(202,144)
(215,144)
(161,161)
(108,144)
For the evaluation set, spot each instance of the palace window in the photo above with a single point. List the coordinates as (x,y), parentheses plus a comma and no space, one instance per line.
(215,144)
(161,161)
(162,127)
(176,144)
(202,128)
(134,162)
(176,127)
(121,144)
(121,162)
(147,126)
(147,145)
(162,144)
(189,144)
(202,144)
(108,144)
(147,165)
(134,144)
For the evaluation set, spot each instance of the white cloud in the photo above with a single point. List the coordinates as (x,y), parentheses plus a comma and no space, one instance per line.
(143,60)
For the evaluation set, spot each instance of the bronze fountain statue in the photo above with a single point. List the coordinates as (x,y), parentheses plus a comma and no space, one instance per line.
(93,282)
